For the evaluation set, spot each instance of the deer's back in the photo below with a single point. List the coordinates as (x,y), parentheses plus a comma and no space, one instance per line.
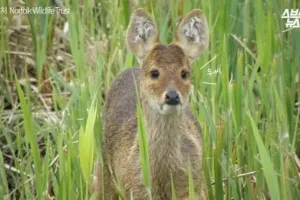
(120,103)
(119,114)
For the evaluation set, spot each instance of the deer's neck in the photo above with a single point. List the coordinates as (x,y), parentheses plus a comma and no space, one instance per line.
(164,136)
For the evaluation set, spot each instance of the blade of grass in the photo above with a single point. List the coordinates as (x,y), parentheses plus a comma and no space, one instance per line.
(31,139)
(266,162)
(86,144)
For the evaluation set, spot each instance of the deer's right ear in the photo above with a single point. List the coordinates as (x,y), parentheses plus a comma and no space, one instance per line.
(142,34)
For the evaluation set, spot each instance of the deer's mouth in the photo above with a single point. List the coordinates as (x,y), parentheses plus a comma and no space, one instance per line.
(167,109)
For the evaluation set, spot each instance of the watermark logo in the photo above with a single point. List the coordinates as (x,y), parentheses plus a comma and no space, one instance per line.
(292,17)
(34,10)
(3,10)
(216,71)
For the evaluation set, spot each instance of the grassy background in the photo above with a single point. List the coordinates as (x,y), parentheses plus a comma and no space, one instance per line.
(55,70)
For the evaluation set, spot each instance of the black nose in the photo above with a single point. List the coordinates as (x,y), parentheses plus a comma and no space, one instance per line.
(172,97)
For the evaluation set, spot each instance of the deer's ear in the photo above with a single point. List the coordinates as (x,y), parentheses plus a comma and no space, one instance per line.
(142,34)
(192,34)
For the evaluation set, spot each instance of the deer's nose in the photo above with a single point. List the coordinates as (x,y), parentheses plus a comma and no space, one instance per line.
(172,97)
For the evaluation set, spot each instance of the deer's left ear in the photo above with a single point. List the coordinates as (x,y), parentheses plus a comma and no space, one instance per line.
(192,34)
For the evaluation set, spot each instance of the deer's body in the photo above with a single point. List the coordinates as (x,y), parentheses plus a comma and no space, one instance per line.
(174,136)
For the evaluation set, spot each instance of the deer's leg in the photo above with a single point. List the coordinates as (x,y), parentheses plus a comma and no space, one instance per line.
(103,184)
(201,196)
(138,193)
(186,197)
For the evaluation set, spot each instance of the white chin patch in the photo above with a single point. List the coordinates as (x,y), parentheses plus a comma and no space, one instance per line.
(170,109)
(164,108)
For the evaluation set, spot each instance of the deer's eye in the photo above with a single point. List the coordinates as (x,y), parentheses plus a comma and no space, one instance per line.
(154,74)
(185,74)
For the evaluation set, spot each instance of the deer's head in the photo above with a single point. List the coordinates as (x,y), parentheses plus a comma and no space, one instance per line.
(165,75)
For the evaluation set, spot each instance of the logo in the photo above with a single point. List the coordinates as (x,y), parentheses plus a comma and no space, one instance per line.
(292,17)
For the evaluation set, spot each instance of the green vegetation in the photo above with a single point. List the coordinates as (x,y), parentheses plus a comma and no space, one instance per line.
(53,79)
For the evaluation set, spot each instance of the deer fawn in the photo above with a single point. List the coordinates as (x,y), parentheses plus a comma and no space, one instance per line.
(174,136)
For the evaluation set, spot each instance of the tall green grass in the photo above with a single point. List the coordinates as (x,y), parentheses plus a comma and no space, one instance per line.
(250,124)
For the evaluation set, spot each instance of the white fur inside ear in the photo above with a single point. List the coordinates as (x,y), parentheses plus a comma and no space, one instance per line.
(143,29)
(142,34)
(193,30)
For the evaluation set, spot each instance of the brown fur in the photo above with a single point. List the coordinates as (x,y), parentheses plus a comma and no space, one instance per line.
(174,140)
